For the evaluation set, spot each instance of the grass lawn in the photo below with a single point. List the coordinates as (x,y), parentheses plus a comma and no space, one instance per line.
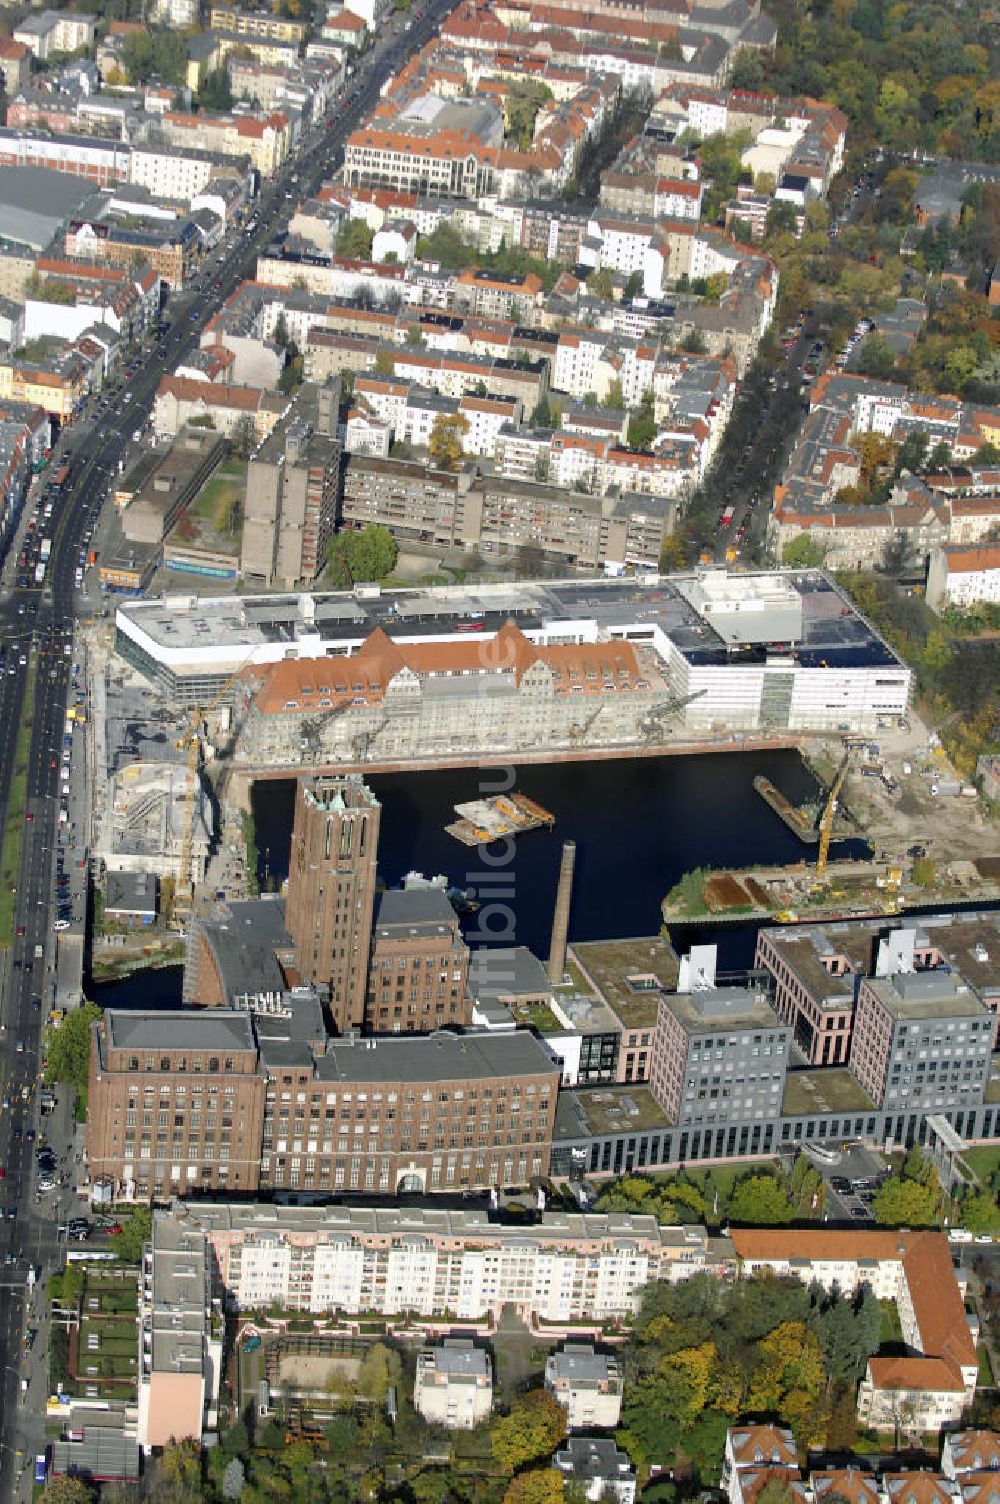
(891,1330)
(985,1368)
(219,504)
(13,830)
(983,1162)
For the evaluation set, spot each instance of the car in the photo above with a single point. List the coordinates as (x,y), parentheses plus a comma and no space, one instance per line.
(984,1237)
(20,932)
(114,1229)
(61,924)
(3,1172)
(20,1047)
(859,1214)
(29,816)
(36,1004)
(11,1213)
(840,1184)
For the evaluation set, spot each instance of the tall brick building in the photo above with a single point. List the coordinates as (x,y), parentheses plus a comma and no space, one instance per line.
(331,889)
(175,1108)
(419,970)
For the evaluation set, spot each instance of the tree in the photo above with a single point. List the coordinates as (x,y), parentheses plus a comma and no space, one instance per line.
(673,554)
(66,1489)
(912,452)
(802,553)
(642,430)
(940,457)
(445,442)
(178,1477)
(748,71)
(358,557)
(760,1201)
(385,362)
(537,1485)
(875,358)
(980,1213)
(524,99)
(280,336)
(380,1370)
(906,1203)
(135,1234)
(775,1491)
(354,239)
(215,93)
(68,1048)
(601,285)
(533,1429)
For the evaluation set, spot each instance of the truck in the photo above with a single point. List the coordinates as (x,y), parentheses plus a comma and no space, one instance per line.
(727,516)
(39,571)
(45,548)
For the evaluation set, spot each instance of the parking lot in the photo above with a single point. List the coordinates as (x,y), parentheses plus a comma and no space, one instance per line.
(852,1174)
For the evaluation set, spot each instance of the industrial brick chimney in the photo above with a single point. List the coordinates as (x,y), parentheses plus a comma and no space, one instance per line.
(560,915)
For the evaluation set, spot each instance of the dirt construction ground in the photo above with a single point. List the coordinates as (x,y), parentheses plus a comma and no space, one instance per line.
(951,828)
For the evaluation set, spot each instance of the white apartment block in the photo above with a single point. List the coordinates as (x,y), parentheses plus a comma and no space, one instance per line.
(963,577)
(588,1384)
(433,1263)
(454,1384)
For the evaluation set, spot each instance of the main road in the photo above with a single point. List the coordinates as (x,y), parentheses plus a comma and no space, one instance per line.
(36,634)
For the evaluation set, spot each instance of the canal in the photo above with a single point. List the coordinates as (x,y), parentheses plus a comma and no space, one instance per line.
(639,824)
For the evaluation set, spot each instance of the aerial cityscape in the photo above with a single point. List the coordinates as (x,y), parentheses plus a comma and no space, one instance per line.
(500,778)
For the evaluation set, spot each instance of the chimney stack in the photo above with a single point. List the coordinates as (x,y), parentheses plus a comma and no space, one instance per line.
(560,915)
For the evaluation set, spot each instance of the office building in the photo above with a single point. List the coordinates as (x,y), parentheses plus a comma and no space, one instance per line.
(922,1038)
(176,1103)
(418,974)
(331,889)
(435,1112)
(719,1057)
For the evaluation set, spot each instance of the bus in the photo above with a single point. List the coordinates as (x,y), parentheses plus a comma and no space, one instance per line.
(41,1467)
(60,477)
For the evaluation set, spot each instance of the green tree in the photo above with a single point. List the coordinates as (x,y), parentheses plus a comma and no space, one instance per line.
(912,452)
(135,1234)
(380,1370)
(358,557)
(533,1429)
(385,361)
(67,1048)
(600,283)
(760,1201)
(280,336)
(980,1213)
(875,358)
(906,1203)
(446,246)
(354,239)
(642,430)
(802,552)
(525,97)
(215,93)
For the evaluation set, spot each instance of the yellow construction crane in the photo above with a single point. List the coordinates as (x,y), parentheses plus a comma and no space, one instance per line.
(828,816)
(199,714)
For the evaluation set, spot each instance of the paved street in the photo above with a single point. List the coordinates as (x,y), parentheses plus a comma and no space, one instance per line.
(37,634)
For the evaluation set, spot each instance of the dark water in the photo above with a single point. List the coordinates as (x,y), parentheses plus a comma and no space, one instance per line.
(639,824)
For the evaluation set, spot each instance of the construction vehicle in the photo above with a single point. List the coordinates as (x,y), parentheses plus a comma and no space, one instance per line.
(829,814)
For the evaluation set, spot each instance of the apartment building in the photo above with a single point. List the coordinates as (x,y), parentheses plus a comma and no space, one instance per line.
(454,1384)
(175,480)
(963,577)
(291,497)
(331,889)
(181,399)
(598,1468)
(176,1103)
(257,23)
(181,1330)
(419,968)
(588,1384)
(266,141)
(457,1266)
(914,1270)
(51,31)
